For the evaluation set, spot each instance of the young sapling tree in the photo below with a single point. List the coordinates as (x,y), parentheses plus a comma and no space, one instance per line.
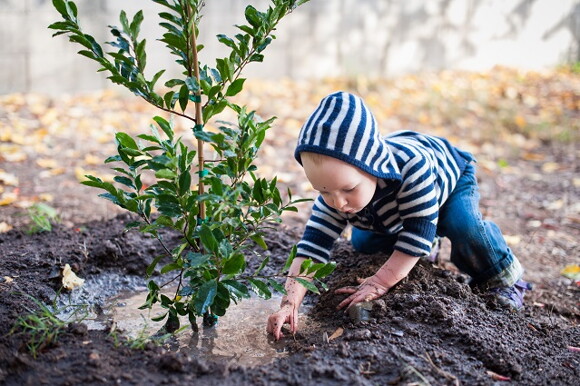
(220,207)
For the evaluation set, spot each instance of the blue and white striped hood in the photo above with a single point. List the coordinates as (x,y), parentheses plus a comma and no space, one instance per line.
(343,127)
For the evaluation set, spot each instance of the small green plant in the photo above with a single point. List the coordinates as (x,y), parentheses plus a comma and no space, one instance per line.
(42,217)
(140,341)
(42,326)
(220,206)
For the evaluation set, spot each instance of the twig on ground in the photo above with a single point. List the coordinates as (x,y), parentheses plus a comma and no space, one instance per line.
(442,372)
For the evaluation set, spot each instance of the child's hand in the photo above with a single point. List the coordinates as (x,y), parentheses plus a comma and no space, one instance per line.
(369,289)
(288,313)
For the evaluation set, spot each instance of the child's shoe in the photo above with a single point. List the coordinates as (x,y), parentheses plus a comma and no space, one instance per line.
(512,296)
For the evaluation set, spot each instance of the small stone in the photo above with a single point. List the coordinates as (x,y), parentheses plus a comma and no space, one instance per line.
(379,305)
(343,350)
(363,334)
(78,329)
(360,312)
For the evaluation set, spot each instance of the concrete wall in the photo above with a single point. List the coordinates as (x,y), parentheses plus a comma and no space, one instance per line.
(322,38)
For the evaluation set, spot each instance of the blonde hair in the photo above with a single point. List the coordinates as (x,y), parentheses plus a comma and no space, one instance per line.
(316,158)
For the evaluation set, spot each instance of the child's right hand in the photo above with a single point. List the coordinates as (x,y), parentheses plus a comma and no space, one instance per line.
(288,313)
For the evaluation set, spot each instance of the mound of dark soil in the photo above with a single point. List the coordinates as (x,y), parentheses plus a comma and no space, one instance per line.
(432,328)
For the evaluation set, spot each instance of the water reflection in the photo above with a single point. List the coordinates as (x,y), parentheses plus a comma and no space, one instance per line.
(240,335)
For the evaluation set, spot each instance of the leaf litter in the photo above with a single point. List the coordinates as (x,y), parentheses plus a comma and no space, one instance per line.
(523,128)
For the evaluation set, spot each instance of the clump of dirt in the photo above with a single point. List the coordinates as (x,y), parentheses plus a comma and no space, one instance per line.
(431,328)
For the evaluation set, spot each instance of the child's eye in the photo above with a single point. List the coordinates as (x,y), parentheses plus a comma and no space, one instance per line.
(350,190)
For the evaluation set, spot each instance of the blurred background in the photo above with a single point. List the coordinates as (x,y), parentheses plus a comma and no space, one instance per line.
(499,78)
(323,38)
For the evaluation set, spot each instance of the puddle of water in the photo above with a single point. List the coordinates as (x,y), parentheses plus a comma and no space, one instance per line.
(240,335)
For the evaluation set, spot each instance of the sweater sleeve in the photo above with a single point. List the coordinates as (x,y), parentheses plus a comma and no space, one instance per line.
(322,229)
(418,208)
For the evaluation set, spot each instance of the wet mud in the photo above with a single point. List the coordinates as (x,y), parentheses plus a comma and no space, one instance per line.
(432,328)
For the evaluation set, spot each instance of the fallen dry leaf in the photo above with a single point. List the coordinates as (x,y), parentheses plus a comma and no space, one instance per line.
(47,163)
(8,179)
(8,198)
(533,156)
(12,153)
(497,377)
(555,205)
(512,240)
(550,167)
(5,227)
(47,197)
(571,271)
(69,279)
(336,334)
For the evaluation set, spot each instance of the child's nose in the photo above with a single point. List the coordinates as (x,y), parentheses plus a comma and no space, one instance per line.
(339,202)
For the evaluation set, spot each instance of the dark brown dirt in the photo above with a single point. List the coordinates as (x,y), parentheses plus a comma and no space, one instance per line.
(430,328)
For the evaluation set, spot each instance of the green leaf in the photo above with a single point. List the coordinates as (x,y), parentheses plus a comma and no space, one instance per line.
(259,239)
(126,140)
(205,296)
(262,265)
(234,265)
(174,82)
(260,288)
(252,16)
(325,271)
(184,182)
(227,41)
(60,7)
(290,259)
(125,181)
(166,174)
(192,84)
(305,265)
(124,21)
(165,126)
(165,300)
(235,87)
(172,323)
(183,97)
(277,286)
(159,318)
(155,78)
(136,24)
(207,238)
(314,268)
(237,289)
(257,58)
(307,284)
(225,68)
(171,267)
(141,56)
(153,264)
(114,158)
(195,259)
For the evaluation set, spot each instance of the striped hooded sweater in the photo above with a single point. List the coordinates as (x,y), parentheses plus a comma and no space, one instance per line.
(416,173)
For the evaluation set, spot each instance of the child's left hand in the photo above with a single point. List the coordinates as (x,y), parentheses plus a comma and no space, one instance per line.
(369,289)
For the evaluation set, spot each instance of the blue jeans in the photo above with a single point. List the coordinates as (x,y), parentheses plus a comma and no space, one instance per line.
(477,246)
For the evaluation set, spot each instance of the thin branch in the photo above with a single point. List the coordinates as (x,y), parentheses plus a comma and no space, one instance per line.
(170,111)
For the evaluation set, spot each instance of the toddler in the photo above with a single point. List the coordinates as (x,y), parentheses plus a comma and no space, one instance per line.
(399,192)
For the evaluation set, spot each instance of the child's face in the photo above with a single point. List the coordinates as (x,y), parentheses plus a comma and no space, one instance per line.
(343,187)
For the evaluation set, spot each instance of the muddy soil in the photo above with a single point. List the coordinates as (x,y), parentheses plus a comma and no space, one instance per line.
(431,329)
